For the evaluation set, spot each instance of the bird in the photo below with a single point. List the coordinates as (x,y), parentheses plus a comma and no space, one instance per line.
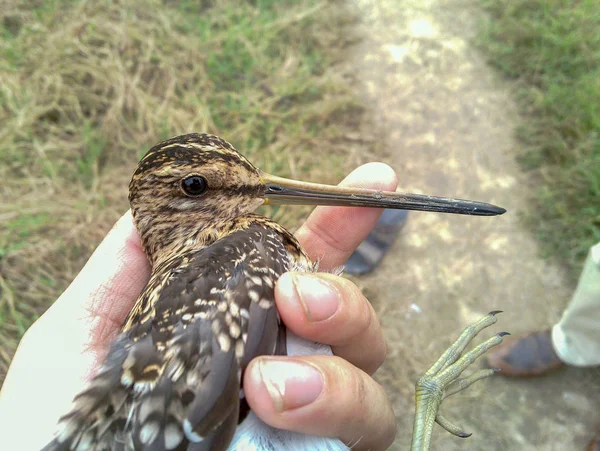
(172,379)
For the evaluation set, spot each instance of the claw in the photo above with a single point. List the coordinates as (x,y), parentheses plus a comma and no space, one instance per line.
(450,427)
(495,312)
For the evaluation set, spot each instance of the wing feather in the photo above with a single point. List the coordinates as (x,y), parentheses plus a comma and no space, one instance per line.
(172,380)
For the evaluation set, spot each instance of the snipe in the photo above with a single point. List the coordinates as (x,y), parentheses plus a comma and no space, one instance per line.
(172,377)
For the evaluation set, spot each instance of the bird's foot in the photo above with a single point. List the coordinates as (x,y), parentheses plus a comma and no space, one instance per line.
(442,380)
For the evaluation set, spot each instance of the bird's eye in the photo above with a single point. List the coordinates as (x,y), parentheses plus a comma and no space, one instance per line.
(194,185)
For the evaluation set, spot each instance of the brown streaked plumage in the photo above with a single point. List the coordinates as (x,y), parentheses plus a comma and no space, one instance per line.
(172,378)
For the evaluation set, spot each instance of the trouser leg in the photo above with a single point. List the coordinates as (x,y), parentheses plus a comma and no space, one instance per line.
(576,338)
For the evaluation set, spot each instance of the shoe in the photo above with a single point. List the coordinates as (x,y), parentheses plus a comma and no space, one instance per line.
(528,356)
(377,244)
(595,444)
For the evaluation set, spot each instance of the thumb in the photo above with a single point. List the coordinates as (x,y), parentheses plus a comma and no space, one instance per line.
(105,290)
(57,354)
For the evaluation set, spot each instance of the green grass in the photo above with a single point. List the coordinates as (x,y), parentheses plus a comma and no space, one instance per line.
(18,230)
(87,87)
(552,49)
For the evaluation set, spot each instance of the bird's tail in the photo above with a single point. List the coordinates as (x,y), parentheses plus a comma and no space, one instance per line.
(97,411)
(185,398)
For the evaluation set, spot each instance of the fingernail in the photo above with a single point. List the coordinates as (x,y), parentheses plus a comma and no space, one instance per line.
(290,384)
(320,299)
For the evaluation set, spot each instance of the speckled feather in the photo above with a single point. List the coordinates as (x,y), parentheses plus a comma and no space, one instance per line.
(172,378)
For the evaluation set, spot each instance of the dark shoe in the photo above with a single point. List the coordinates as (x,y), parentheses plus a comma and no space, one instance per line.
(377,244)
(530,355)
(595,444)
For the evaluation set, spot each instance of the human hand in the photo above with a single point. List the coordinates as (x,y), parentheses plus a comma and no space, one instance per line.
(329,309)
(67,344)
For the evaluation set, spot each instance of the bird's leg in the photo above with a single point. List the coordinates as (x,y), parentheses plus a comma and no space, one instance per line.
(442,380)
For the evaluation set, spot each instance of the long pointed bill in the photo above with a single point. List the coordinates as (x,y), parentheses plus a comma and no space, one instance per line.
(279,190)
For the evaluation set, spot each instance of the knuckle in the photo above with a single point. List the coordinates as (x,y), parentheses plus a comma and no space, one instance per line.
(325,234)
(362,407)
(384,351)
(362,312)
(360,391)
(366,327)
(361,330)
(384,421)
(356,393)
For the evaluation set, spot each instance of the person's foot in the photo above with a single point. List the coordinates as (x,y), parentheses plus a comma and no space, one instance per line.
(530,355)
(377,244)
(595,444)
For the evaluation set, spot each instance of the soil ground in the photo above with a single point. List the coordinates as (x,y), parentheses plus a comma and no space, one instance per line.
(449,124)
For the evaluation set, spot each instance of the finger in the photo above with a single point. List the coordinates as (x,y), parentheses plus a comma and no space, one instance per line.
(332,310)
(321,395)
(330,234)
(88,313)
(105,290)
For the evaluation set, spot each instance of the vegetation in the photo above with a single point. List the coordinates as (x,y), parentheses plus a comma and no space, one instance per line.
(552,49)
(86,87)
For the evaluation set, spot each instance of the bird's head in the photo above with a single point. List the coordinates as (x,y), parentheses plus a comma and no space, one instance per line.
(199,175)
(200,183)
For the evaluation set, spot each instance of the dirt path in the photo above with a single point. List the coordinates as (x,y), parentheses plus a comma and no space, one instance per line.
(449,124)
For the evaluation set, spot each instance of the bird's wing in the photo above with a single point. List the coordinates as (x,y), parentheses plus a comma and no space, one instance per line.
(172,380)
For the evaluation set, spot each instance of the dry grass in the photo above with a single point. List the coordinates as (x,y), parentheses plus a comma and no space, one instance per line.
(86,87)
